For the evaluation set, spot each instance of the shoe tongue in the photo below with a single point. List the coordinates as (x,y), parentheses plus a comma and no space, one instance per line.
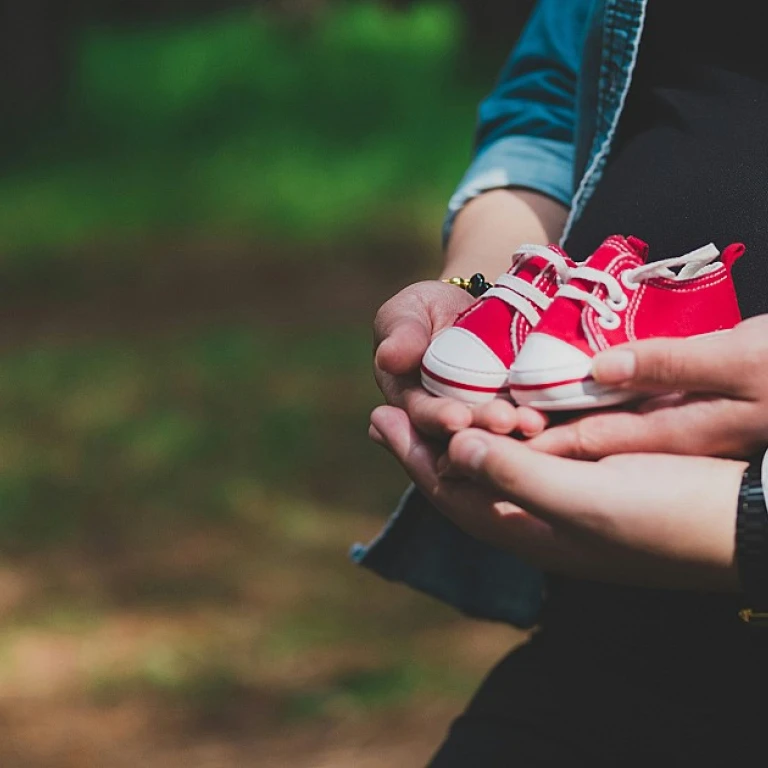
(533,266)
(566,321)
(632,247)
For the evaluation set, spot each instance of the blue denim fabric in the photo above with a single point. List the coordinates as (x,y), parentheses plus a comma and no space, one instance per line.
(422,548)
(548,125)
(532,108)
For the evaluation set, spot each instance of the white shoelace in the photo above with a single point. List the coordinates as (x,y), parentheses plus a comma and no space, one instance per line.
(694,263)
(522,295)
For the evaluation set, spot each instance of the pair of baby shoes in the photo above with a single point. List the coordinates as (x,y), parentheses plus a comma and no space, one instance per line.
(532,336)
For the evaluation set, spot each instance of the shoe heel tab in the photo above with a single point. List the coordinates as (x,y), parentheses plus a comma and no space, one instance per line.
(640,247)
(732,253)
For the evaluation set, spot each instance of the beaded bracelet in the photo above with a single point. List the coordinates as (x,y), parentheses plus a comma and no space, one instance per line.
(476,285)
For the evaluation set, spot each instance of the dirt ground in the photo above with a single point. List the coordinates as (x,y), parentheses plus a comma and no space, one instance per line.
(213,642)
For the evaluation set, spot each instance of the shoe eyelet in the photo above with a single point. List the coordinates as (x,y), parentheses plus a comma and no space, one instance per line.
(610,323)
(627,282)
(618,306)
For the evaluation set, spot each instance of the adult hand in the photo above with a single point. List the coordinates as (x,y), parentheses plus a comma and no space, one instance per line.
(601,520)
(650,519)
(473,507)
(711,399)
(403,329)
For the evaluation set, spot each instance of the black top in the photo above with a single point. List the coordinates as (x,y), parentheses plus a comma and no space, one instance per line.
(690,160)
(689,166)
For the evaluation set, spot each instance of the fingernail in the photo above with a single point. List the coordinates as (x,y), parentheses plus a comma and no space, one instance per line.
(614,366)
(472,453)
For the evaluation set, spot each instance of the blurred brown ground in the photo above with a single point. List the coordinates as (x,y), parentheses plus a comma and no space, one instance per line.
(198,608)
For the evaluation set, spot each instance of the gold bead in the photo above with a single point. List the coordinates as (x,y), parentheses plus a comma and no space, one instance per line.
(460,282)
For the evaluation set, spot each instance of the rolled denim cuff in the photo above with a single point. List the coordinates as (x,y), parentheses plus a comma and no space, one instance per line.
(542,165)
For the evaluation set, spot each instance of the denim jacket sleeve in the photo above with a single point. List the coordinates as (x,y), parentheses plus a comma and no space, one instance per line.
(526,125)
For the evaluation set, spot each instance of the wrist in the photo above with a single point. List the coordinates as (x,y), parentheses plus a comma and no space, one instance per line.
(491,226)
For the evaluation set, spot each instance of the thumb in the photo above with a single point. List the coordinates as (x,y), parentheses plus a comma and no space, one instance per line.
(401,350)
(695,364)
(551,487)
(404,325)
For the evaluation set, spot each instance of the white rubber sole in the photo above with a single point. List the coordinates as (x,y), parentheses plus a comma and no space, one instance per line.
(473,387)
(573,396)
(460,391)
(564,389)
(569,388)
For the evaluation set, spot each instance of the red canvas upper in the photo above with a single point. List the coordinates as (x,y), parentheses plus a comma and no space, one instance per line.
(500,325)
(658,306)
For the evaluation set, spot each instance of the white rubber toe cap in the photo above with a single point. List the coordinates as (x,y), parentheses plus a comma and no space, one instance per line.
(457,351)
(547,360)
(458,364)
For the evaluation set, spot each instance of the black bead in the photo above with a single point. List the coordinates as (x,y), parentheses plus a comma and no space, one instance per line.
(477,285)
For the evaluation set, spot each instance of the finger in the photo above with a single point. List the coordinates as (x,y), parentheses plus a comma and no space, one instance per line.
(446,470)
(499,416)
(554,488)
(698,364)
(506,526)
(530,421)
(433,474)
(695,426)
(376,436)
(667,400)
(416,457)
(593,437)
(435,416)
(471,507)
(443,464)
(395,388)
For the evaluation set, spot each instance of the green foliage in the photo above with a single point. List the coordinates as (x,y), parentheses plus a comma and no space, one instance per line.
(248,125)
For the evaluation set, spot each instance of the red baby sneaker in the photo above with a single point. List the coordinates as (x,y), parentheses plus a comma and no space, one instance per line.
(612,298)
(470,360)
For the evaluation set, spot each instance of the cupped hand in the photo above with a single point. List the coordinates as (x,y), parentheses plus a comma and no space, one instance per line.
(403,329)
(603,520)
(477,510)
(649,519)
(707,397)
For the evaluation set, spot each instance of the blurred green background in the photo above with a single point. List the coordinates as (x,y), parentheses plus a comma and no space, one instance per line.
(201,208)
